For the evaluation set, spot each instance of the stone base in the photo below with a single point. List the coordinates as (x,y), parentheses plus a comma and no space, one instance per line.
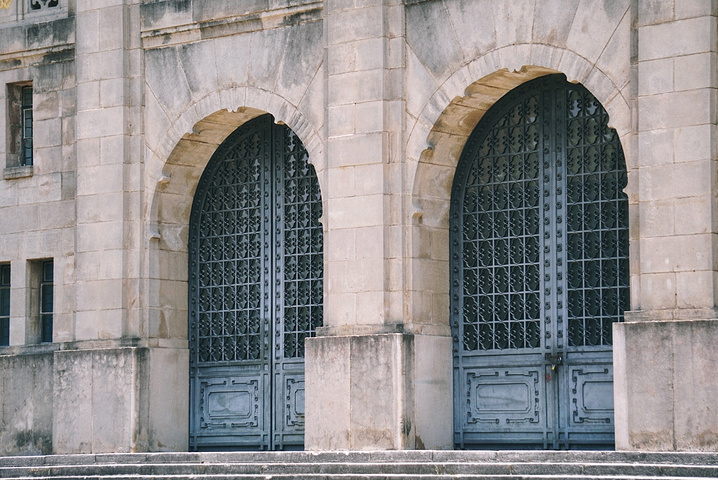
(97,400)
(378,392)
(26,386)
(665,385)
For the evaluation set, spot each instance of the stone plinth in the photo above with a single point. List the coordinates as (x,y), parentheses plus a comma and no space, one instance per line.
(382,391)
(665,385)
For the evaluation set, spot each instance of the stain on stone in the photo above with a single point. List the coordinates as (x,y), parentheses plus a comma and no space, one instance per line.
(29,442)
(407,427)
(152,13)
(430,37)
(300,17)
(59,56)
(652,441)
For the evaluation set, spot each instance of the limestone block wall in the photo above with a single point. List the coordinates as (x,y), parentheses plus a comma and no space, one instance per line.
(132,98)
(667,347)
(37,203)
(26,415)
(37,216)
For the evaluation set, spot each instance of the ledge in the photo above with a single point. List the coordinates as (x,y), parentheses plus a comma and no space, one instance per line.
(11,173)
(186,28)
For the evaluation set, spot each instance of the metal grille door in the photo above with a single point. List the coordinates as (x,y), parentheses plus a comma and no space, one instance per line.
(255,290)
(539,271)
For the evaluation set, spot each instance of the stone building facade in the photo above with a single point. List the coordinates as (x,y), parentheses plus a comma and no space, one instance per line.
(249,224)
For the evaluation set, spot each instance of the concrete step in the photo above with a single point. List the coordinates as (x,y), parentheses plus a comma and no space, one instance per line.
(373,465)
(291,476)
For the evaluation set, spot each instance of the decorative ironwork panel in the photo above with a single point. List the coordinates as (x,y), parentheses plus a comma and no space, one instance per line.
(38,4)
(591,394)
(303,245)
(4,305)
(500,241)
(539,265)
(597,222)
(503,396)
(255,289)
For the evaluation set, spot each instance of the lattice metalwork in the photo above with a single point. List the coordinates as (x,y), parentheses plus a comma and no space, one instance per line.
(256,288)
(303,246)
(597,222)
(500,241)
(539,269)
(229,258)
(4,304)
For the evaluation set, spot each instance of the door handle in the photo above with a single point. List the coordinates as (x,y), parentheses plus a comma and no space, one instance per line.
(554,359)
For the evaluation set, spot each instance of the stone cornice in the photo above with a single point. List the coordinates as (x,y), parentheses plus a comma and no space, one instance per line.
(255,21)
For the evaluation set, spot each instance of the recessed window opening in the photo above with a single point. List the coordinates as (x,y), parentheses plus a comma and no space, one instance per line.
(26,115)
(4,305)
(19,130)
(46,301)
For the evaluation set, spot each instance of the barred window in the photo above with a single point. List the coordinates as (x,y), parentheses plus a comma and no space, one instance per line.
(4,305)
(26,115)
(19,130)
(46,301)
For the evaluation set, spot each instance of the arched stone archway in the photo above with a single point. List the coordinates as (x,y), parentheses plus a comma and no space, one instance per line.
(432,163)
(172,186)
(539,270)
(432,169)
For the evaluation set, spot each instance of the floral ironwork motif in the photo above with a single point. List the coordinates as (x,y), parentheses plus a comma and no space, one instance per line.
(39,4)
(539,265)
(256,281)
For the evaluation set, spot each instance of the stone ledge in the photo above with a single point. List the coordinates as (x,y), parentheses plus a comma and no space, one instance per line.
(309,11)
(34,349)
(671,315)
(384,328)
(11,173)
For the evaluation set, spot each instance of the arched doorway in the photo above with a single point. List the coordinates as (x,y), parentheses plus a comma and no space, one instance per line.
(255,290)
(539,271)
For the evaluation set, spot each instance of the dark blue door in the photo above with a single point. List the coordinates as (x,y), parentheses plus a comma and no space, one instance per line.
(539,271)
(255,290)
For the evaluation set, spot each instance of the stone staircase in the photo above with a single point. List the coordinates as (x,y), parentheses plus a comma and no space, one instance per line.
(392,465)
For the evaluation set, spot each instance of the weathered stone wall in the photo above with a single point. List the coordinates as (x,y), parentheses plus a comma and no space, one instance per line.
(37,204)
(665,394)
(666,350)
(26,406)
(133,97)
(37,216)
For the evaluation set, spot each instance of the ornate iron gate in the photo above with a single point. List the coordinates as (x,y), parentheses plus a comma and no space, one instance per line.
(255,290)
(539,271)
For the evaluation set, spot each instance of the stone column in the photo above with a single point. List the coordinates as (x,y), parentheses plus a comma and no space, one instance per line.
(363,368)
(354,370)
(97,397)
(666,353)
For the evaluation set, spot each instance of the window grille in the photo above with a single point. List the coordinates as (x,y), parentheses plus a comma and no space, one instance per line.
(26,115)
(4,305)
(46,301)
(38,4)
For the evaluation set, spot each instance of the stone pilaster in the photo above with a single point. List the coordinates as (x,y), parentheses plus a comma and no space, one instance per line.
(105,372)
(367,348)
(666,351)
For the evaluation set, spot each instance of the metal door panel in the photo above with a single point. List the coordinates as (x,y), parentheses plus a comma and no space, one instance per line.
(539,269)
(256,288)
(503,396)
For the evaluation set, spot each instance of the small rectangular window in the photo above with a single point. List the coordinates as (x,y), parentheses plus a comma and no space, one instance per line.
(4,305)
(19,131)
(46,301)
(26,115)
